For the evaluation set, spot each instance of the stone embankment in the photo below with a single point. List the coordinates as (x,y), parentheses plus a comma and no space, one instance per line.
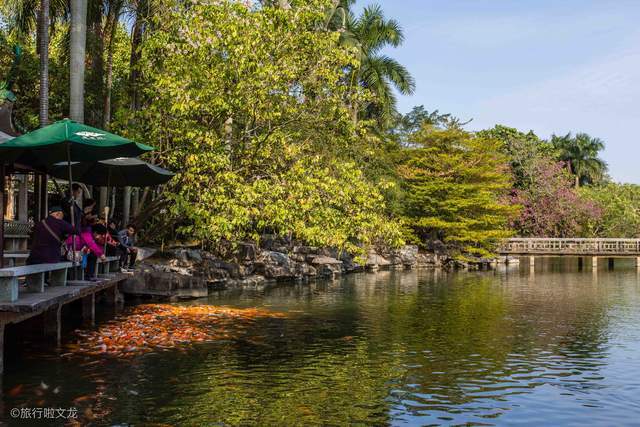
(193,273)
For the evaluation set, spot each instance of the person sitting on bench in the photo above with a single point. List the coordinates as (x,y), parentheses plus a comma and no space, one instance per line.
(127,239)
(48,237)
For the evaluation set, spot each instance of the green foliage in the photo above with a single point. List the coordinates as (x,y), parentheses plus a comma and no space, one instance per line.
(279,116)
(407,125)
(456,189)
(250,107)
(367,35)
(26,87)
(551,205)
(523,151)
(580,153)
(620,207)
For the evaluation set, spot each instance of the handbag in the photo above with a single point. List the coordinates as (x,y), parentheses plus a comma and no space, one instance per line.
(64,251)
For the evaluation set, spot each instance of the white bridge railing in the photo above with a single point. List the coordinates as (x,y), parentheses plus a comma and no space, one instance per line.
(553,246)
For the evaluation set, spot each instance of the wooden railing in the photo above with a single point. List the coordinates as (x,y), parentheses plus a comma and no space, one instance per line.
(552,246)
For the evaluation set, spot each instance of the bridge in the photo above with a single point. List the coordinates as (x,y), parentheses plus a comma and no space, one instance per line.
(572,247)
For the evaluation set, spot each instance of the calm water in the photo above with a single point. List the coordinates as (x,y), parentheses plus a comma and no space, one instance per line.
(561,347)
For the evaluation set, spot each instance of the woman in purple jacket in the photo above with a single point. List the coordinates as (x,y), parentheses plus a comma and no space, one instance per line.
(48,236)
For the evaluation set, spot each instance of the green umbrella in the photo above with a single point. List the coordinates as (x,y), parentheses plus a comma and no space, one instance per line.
(120,172)
(65,141)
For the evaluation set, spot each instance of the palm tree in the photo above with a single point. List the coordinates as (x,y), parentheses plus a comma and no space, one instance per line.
(115,8)
(77,59)
(23,17)
(369,34)
(43,46)
(580,153)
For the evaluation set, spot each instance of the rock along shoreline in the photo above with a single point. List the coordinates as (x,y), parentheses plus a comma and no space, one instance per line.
(185,273)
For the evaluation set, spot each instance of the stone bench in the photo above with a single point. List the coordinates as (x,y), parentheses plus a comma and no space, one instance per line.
(110,265)
(34,275)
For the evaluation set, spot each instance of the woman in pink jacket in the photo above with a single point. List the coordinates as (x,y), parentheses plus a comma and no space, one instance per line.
(86,245)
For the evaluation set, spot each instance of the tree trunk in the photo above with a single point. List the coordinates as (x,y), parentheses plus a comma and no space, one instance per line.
(143,199)
(577,181)
(23,205)
(112,207)
(111,27)
(102,202)
(43,47)
(78,46)
(11,199)
(135,205)
(136,40)
(94,115)
(126,205)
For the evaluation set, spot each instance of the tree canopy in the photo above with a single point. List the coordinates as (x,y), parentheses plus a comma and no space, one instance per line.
(280,117)
(457,185)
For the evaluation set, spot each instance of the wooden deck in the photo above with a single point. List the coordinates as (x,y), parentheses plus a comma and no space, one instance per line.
(54,295)
(615,248)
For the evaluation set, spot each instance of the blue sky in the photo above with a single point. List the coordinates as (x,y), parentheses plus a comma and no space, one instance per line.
(551,66)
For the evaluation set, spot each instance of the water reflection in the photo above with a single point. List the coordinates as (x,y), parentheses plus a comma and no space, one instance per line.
(558,347)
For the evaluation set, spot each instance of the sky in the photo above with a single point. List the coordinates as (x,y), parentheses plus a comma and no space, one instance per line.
(552,66)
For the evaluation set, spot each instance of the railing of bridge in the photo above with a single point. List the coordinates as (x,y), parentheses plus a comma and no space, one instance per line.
(557,246)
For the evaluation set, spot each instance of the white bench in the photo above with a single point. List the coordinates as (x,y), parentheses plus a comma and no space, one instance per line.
(111,264)
(34,275)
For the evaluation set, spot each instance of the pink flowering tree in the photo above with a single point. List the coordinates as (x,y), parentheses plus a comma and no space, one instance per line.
(551,206)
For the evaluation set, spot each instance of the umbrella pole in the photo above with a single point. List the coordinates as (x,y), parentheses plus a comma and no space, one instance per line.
(106,211)
(73,214)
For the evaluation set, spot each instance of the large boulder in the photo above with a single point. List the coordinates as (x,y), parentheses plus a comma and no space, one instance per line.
(247,252)
(349,264)
(375,261)
(274,265)
(165,284)
(305,250)
(408,255)
(144,253)
(326,266)
(275,243)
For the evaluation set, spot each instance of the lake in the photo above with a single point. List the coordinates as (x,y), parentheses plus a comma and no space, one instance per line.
(504,347)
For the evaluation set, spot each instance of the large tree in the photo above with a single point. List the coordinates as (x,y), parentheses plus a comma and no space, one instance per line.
(619,205)
(551,206)
(25,16)
(43,46)
(77,59)
(581,154)
(369,34)
(251,107)
(522,149)
(457,187)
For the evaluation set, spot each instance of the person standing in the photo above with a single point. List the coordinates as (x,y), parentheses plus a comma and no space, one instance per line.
(74,203)
(48,237)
